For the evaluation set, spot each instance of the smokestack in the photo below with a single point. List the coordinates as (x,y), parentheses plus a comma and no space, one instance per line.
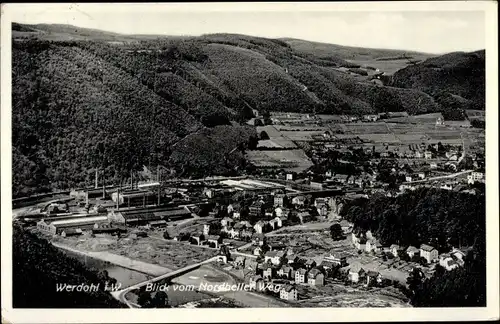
(96,179)
(159,186)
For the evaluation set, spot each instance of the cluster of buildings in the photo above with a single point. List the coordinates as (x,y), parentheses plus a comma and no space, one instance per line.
(368,243)
(281,266)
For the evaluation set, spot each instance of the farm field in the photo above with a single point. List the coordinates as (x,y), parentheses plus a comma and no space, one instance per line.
(276,139)
(366,128)
(293,160)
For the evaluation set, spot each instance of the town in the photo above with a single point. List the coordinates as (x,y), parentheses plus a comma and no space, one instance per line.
(280,225)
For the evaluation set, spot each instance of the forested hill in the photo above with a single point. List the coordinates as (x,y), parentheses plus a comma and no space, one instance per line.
(443,219)
(37,269)
(456,80)
(84,98)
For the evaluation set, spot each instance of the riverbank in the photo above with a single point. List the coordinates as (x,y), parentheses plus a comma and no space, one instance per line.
(119,260)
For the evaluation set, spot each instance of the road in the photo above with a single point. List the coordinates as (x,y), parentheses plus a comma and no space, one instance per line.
(448,176)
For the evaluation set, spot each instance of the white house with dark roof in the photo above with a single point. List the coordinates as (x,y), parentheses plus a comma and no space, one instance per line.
(288,292)
(301,276)
(412,251)
(429,253)
(315,278)
(356,273)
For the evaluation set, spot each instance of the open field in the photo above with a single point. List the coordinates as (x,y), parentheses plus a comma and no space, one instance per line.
(276,139)
(303,135)
(366,128)
(293,160)
(338,295)
(169,254)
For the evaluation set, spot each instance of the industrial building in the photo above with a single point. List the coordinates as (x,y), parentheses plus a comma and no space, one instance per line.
(153,216)
(59,225)
(135,198)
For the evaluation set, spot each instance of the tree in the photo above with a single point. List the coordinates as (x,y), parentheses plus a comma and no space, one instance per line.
(414,280)
(160,300)
(144,297)
(336,232)
(264,136)
(166,235)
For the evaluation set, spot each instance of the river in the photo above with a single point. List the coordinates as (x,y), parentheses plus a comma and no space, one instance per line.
(125,277)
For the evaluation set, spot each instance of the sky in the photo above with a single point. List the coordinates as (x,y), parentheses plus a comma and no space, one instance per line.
(426,28)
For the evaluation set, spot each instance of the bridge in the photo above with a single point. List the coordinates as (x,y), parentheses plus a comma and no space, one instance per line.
(120,294)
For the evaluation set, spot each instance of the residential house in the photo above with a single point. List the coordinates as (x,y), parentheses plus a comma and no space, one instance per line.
(340,178)
(373,245)
(258,239)
(337,259)
(418,155)
(327,264)
(285,271)
(304,216)
(267,271)
(289,177)
(236,215)
(274,256)
(259,227)
(299,200)
(412,251)
(292,259)
(458,255)
(256,282)
(233,233)
(278,200)
(428,252)
(421,175)
(322,211)
(257,251)
(356,273)
(256,210)
(288,292)
(206,229)
(226,222)
(276,223)
(360,243)
(246,234)
(345,225)
(373,277)
(427,155)
(369,235)
(278,211)
(315,278)
(394,249)
(214,241)
(197,239)
(310,263)
(318,202)
(446,186)
(474,177)
(240,261)
(448,262)
(300,276)
(408,178)
(433,165)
